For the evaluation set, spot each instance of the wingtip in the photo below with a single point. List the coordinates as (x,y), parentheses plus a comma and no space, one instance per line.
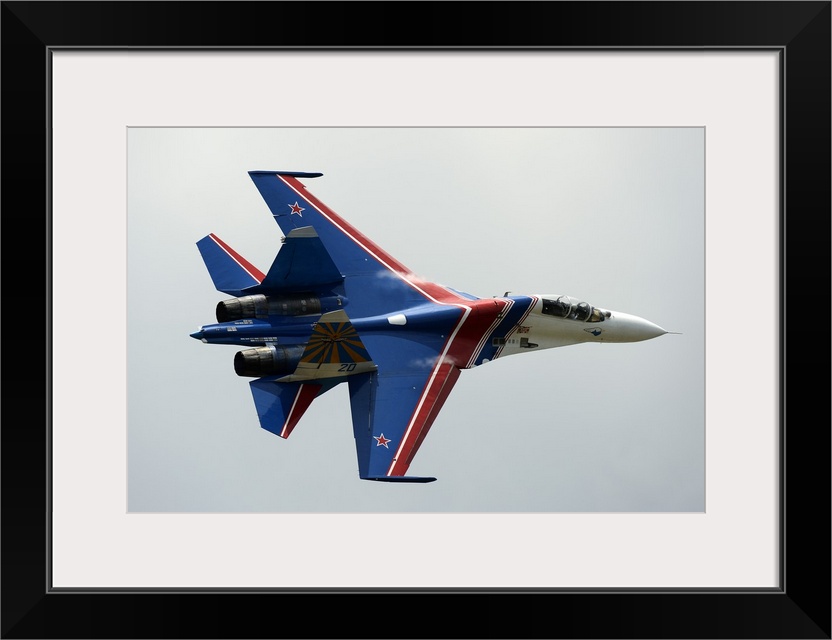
(399,479)
(295,174)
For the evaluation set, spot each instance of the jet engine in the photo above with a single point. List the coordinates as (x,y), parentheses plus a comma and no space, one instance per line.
(261,306)
(270,360)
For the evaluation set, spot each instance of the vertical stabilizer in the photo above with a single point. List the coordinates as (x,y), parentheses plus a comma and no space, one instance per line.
(230,272)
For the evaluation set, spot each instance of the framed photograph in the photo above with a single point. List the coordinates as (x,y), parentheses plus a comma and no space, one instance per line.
(511,208)
(669,160)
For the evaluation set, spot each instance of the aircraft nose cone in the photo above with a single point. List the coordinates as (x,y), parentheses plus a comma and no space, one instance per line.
(650,330)
(634,329)
(197,335)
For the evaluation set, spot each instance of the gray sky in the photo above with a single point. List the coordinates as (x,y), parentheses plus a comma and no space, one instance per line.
(611,216)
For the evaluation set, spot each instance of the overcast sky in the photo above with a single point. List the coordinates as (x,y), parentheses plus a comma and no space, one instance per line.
(614,217)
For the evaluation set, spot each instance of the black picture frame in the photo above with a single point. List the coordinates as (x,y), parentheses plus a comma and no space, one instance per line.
(800,608)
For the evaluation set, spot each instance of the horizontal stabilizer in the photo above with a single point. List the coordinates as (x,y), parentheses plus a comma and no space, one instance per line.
(230,272)
(399,479)
(280,405)
(302,264)
(334,350)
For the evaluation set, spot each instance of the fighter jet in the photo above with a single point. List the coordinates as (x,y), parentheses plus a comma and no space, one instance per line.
(335,307)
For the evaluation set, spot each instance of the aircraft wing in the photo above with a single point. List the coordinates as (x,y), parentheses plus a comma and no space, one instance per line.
(379,281)
(391,415)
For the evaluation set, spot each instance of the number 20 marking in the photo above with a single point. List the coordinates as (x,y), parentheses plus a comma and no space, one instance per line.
(347,367)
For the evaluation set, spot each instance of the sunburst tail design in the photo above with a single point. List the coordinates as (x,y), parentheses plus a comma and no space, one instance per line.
(334,343)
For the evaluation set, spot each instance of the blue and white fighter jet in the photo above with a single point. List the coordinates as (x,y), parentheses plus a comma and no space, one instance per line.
(335,307)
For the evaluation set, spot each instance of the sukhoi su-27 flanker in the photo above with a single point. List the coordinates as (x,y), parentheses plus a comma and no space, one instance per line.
(335,307)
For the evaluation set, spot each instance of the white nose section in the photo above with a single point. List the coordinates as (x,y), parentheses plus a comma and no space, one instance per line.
(629,328)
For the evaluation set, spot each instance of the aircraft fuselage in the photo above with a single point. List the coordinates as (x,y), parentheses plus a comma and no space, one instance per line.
(508,325)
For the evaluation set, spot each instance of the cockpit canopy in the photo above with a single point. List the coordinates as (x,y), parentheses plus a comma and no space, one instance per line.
(572,309)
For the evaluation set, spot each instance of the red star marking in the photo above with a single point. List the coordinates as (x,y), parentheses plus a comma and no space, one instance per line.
(296,209)
(382,441)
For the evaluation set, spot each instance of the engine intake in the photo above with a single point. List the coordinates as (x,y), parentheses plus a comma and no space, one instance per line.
(270,360)
(261,306)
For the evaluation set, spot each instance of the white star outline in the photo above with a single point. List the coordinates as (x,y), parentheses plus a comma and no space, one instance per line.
(381,441)
(296,209)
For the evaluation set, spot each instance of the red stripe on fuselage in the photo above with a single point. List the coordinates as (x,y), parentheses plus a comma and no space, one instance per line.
(498,317)
(499,351)
(479,323)
(253,271)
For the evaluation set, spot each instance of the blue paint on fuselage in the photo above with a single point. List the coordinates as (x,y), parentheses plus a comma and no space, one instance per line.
(426,328)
